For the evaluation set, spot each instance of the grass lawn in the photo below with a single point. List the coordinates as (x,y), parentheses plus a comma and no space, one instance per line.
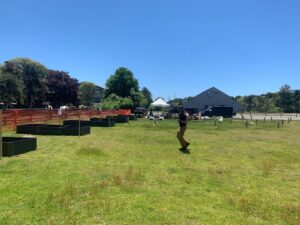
(134,174)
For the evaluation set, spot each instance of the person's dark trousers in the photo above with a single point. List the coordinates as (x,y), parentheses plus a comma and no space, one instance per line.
(180,136)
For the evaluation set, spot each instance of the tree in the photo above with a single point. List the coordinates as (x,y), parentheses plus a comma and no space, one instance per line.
(136,97)
(297,101)
(126,103)
(10,88)
(270,102)
(143,101)
(122,83)
(61,88)
(175,103)
(98,97)
(32,74)
(87,90)
(111,102)
(286,99)
(147,97)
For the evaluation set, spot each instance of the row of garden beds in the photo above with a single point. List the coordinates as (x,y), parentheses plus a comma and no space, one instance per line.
(18,145)
(101,122)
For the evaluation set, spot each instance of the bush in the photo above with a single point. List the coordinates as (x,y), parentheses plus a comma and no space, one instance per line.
(116,102)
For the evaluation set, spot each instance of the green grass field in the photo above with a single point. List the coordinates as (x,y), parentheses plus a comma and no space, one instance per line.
(135,174)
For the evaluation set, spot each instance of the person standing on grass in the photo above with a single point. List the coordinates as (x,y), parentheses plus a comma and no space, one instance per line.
(183,120)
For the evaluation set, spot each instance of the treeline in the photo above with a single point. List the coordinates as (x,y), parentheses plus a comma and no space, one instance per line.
(27,83)
(285,100)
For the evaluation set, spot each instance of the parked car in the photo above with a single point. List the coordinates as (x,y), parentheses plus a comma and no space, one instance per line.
(224,111)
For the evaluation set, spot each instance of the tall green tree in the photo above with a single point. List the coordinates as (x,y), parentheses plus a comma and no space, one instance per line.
(297,101)
(87,91)
(143,101)
(32,74)
(122,83)
(146,97)
(286,99)
(10,88)
(136,97)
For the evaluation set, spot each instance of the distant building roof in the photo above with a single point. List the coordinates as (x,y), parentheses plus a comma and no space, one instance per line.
(212,97)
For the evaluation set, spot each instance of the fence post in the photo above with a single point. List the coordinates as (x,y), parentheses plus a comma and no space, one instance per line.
(79,124)
(278,124)
(50,114)
(4,118)
(282,122)
(30,115)
(45,117)
(247,124)
(15,119)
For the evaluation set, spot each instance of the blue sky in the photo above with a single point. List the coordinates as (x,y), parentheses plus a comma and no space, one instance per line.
(174,48)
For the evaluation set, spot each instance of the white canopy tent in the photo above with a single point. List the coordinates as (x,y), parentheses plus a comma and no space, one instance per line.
(159,103)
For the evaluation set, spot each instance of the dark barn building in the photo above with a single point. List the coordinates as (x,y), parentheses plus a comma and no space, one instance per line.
(212,97)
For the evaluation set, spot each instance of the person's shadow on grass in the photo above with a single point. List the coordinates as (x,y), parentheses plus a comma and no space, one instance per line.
(184,151)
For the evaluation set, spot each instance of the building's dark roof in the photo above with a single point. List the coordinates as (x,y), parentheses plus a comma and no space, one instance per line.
(212,97)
